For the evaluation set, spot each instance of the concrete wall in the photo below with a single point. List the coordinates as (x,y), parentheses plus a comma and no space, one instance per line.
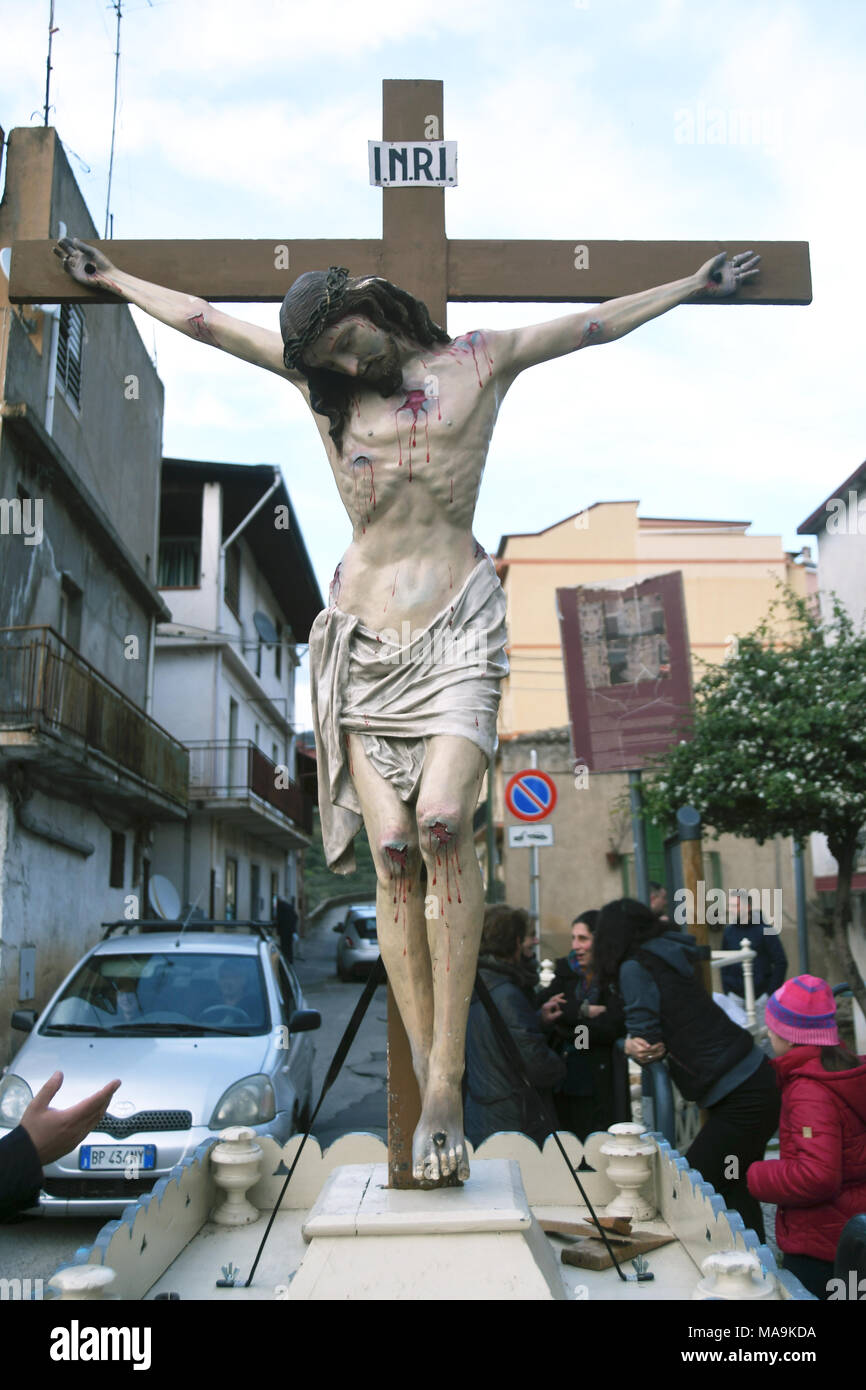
(842,559)
(113,440)
(53,899)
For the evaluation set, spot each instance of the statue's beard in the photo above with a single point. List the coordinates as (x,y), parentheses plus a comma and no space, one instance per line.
(384,373)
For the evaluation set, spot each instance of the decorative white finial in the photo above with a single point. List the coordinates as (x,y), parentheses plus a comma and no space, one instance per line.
(236,1161)
(82,1282)
(735,1275)
(629,1169)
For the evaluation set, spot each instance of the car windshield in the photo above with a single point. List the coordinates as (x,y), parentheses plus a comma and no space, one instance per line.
(162,995)
(364,926)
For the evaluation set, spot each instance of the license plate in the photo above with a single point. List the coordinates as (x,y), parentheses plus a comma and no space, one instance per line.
(123,1158)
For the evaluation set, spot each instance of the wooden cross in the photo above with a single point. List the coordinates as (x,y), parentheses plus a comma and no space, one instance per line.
(415,253)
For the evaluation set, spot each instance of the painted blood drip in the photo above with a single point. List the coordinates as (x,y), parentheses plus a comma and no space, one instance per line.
(478,552)
(393,589)
(451,498)
(416,401)
(363,504)
(349,755)
(473,342)
(444,842)
(399,862)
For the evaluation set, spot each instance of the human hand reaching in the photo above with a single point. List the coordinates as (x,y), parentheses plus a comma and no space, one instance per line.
(57,1132)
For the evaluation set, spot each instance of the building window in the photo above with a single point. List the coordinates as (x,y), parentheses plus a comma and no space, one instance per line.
(179,563)
(70,347)
(232,586)
(118,860)
(231,889)
(278,653)
(70,610)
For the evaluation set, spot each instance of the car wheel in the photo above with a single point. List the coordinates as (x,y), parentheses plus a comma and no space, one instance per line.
(342,972)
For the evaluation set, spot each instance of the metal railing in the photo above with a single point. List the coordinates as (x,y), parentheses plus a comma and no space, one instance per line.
(224,769)
(45,683)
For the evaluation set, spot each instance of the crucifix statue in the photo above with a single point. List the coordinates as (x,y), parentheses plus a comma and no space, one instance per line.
(407,659)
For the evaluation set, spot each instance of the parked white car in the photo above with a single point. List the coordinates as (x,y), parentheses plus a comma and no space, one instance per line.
(205,1029)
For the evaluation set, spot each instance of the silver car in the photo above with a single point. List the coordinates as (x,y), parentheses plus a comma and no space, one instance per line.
(205,1029)
(358,947)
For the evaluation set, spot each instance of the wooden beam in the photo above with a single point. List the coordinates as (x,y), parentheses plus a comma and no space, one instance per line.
(507,271)
(413,219)
(545,270)
(217,270)
(404,1102)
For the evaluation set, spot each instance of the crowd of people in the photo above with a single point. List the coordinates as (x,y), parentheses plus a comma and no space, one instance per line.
(630,974)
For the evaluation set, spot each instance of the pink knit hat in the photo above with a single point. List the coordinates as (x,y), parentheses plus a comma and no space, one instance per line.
(803,1011)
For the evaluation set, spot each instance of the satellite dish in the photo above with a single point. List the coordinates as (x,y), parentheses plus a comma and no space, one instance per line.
(265,628)
(6,260)
(164,898)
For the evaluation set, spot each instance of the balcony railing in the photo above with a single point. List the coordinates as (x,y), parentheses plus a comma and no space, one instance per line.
(228,769)
(46,684)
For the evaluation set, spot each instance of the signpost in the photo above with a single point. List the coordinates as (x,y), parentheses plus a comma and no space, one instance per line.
(530,795)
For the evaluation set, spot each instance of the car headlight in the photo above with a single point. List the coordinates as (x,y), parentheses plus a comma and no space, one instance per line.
(15,1096)
(247,1102)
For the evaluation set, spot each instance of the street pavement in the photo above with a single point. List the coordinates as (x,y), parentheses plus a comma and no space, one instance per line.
(32,1247)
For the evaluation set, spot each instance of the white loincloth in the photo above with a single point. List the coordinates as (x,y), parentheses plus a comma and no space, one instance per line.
(442,680)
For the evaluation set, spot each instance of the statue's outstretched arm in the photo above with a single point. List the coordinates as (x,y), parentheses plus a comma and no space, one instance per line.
(524,347)
(187,313)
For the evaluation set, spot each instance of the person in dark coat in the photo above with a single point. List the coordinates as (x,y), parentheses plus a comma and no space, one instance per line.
(585,1098)
(818,1181)
(494,1098)
(711,1060)
(770,965)
(43,1136)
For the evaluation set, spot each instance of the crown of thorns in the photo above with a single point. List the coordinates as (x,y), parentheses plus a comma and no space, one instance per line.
(331,297)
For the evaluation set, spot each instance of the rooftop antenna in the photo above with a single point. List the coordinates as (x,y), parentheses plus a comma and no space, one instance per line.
(52,30)
(117,6)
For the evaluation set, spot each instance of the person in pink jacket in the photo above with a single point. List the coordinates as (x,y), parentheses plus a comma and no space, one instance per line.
(819,1180)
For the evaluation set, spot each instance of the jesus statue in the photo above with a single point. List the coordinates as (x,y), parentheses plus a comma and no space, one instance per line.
(406,662)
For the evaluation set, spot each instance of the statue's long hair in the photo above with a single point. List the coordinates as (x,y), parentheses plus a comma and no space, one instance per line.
(389,308)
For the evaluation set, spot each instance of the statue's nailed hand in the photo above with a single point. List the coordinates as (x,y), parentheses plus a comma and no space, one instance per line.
(84,263)
(722,277)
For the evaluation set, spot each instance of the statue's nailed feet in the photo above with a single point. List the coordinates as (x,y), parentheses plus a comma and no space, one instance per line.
(438,1147)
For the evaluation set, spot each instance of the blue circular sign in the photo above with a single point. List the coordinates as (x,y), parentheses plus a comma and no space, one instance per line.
(530,795)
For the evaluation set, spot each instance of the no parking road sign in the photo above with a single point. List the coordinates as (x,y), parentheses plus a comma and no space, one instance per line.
(530,794)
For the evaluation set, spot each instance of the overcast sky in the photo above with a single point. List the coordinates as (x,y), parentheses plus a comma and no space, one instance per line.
(572,121)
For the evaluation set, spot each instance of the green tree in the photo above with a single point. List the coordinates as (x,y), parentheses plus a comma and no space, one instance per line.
(776,745)
(321,883)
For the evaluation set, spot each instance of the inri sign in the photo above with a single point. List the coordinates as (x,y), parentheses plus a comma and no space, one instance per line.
(408,163)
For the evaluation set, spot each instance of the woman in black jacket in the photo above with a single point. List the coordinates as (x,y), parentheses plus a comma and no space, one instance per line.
(711,1060)
(591,1021)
